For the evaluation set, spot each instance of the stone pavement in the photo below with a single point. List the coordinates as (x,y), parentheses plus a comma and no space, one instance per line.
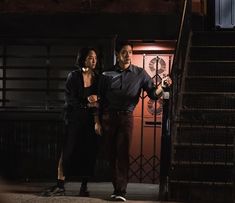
(99,193)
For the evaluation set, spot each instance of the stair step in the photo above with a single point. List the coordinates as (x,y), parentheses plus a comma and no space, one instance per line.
(210,110)
(201,145)
(213,46)
(203,153)
(209,84)
(202,164)
(201,191)
(212,53)
(209,183)
(204,126)
(213,38)
(211,68)
(208,116)
(210,93)
(211,77)
(205,134)
(209,100)
(204,173)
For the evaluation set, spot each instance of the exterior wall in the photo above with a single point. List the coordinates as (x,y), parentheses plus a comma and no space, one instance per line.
(88,6)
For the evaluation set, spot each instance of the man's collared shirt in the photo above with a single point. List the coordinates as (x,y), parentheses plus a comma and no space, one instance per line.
(121,89)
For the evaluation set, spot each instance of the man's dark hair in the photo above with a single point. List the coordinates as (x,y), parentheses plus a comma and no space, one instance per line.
(121,43)
(82,54)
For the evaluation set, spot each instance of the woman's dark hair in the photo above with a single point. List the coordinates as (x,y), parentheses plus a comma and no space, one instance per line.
(82,54)
(121,43)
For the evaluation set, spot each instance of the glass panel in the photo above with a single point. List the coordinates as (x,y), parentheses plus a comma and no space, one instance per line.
(27,50)
(26,98)
(57,84)
(18,62)
(26,84)
(67,62)
(19,73)
(64,50)
(59,73)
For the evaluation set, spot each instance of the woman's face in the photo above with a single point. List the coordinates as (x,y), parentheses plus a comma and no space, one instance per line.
(91,60)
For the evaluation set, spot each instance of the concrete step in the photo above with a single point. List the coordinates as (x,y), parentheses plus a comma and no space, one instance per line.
(214,38)
(211,68)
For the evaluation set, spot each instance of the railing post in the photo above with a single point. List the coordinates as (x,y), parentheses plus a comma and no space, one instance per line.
(165,149)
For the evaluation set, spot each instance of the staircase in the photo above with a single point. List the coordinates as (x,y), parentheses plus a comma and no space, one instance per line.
(203,153)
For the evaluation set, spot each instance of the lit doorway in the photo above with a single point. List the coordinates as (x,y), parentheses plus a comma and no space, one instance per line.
(156,58)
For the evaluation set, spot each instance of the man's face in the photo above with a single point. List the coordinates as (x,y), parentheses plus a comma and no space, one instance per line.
(124,57)
(91,60)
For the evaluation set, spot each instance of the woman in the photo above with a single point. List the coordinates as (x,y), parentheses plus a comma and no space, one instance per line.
(82,124)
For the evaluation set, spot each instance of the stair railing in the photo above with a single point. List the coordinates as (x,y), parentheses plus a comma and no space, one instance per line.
(180,54)
(170,106)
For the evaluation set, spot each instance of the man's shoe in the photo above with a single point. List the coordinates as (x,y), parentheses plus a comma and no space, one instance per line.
(120,198)
(54,191)
(112,196)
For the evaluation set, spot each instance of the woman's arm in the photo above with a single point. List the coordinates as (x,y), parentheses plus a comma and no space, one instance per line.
(93,102)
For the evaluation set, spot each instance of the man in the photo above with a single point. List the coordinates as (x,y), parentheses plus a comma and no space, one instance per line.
(120,91)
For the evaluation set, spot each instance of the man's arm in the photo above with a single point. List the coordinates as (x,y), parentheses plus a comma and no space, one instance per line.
(154,92)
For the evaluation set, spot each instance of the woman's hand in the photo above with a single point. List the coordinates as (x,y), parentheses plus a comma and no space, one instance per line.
(94,104)
(98,128)
(93,101)
(92,98)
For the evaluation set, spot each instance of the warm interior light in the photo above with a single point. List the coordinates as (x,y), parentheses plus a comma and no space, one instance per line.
(158,45)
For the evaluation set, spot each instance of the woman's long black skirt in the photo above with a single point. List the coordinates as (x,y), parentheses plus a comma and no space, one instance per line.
(80,146)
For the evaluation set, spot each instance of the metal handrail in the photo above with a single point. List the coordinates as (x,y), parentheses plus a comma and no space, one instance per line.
(181,48)
(185,14)
(170,106)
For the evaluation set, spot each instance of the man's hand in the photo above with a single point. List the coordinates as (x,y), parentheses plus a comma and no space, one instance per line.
(166,82)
